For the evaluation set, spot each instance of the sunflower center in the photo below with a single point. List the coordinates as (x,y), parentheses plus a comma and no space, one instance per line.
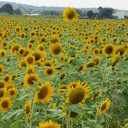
(31,79)
(42,93)
(103,107)
(1,93)
(37,56)
(0,69)
(30,60)
(1,85)
(109,50)
(49,71)
(6,78)
(4,104)
(27,109)
(56,50)
(77,95)
(12,92)
(2,54)
(71,14)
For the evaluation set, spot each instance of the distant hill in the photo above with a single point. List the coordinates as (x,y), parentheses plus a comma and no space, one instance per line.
(36,8)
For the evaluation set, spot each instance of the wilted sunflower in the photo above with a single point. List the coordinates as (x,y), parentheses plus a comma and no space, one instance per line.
(27,109)
(5,104)
(30,79)
(12,92)
(3,92)
(1,69)
(55,49)
(49,124)
(95,95)
(109,50)
(104,106)
(70,14)
(30,60)
(44,94)
(49,71)
(78,94)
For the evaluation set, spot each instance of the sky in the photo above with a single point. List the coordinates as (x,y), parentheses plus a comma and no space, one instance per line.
(117,4)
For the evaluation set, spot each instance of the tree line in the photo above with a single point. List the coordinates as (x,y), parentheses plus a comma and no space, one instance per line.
(102,13)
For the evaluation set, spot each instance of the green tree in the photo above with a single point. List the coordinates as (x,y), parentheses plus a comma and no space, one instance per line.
(90,14)
(7,8)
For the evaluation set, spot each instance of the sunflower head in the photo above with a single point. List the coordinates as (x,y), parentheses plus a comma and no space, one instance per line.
(27,109)
(70,14)
(30,60)
(104,106)
(1,69)
(44,94)
(49,71)
(78,94)
(12,92)
(5,104)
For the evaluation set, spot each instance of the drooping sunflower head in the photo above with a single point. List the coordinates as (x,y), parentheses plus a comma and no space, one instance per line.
(78,94)
(55,49)
(5,104)
(90,64)
(97,60)
(7,78)
(3,53)
(104,106)
(109,50)
(54,39)
(44,94)
(48,63)
(27,109)
(115,60)
(70,14)
(30,79)
(49,71)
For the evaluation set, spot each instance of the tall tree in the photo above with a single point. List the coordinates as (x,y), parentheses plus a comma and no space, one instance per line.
(90,14)
(7,8)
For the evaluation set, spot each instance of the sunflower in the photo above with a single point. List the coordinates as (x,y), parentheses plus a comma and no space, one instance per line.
(48,63)
(61,90)
(104,106)
(97,60)
(49,124)
(1,69)
(30,45)
(120,51)
(12,92)
(3,53)
(29,70)
(78,94)
(109,50)
(17,29)
(55,49)
(95,95)
(7,78)
(30,60)
(54,39)
(90,64)
(42,40)
(96,51)
(44,94)
(38,55)
(49,71)
(41,48)
(115,60)
(2,84)
(73,115)
(70,14)
(30,79)
(3,92)
(5,104)
(27,109)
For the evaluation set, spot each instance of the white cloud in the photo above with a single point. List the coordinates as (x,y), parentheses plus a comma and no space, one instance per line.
(121,4)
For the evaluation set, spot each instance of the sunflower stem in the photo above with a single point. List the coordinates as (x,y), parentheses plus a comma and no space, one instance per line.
(68,121)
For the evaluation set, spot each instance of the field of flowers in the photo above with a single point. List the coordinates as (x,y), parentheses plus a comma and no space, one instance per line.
(63,72)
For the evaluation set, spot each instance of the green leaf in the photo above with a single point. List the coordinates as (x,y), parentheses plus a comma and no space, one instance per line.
(16,123)
(74,107)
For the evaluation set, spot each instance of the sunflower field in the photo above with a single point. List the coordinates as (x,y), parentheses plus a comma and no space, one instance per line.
(63,72)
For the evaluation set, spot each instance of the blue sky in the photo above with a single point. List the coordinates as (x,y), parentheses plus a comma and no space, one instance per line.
(117,4)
